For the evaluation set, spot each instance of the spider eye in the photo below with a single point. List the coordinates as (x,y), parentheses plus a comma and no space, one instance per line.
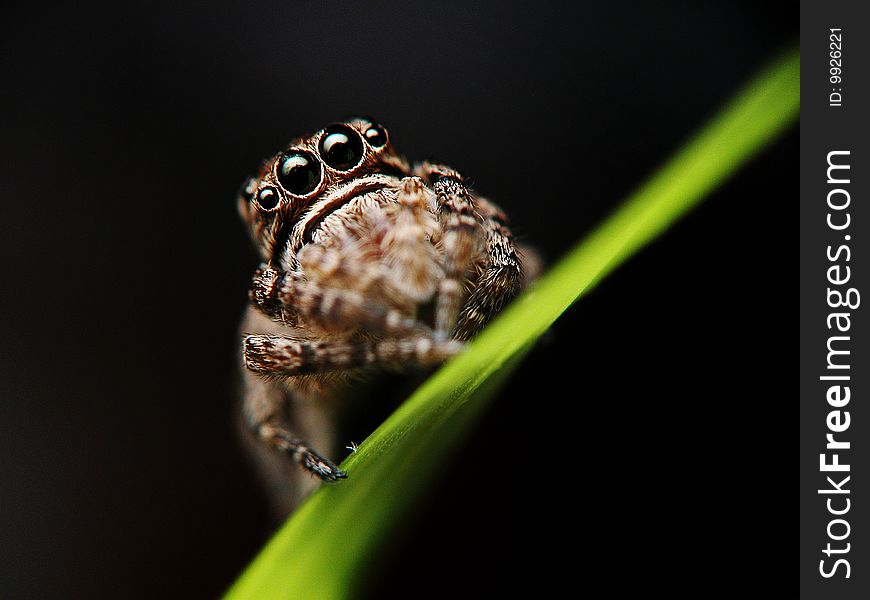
(268,198)
(298,172)
(341,148)
(376,135)
(246,192)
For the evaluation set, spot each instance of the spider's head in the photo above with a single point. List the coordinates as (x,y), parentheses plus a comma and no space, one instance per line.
(315,174)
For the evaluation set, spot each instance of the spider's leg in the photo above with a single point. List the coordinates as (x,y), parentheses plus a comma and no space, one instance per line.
(462,241)
(411,262)
(264,410)
(500,281)
(504,270)
(280,438)
(287,297)
(278,356)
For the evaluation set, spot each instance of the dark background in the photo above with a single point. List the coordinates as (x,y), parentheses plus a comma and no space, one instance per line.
(643,442)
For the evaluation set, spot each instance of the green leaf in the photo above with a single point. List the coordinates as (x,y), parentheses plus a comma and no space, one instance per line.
(324,548)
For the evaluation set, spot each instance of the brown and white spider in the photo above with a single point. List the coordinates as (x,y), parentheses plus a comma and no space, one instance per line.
(369,263)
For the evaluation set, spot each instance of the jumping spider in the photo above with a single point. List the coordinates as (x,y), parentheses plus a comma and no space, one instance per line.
(369,263)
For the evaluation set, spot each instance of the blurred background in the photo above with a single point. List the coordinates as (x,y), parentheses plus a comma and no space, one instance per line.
(659,400)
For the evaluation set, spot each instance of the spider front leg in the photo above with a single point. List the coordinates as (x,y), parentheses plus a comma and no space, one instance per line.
(280,438)
(499,283)
(464,219)
(283,357)
(411,261)
(267,418)
(279,356)
(286,297)
(462,240)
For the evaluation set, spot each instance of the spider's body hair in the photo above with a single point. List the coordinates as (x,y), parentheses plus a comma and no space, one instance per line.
(382,266)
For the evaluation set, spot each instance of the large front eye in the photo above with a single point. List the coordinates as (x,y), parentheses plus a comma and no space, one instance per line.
(298,172)
(341,147)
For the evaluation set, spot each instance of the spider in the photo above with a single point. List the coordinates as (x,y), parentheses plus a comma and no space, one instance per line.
(369,263)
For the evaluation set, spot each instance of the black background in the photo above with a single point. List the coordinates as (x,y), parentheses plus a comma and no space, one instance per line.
(643,442)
